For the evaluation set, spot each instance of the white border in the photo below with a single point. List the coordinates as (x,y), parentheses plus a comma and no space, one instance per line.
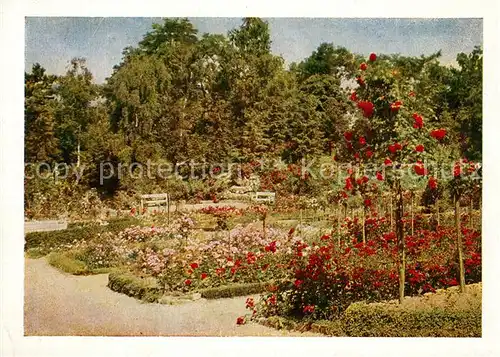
(11,182)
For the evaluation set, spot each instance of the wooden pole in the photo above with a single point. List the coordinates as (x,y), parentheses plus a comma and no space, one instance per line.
(168,209)
(363,213)
(437,211)
(459,244)
(401,241)
(411,214)
(392,212)
(471,211)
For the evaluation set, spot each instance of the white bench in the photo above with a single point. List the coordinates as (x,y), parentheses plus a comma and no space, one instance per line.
(155,200)
(268,197)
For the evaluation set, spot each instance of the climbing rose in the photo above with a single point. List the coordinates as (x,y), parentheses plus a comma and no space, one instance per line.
(240,320)
(187,282)
(419,122)
(362,140)
(432,183)
(419,148)
(348,135)
(363,66)
(356,156)
(360,80)
(204,276)
(379,176)
(438,134)
(372,57)
(193,265)
(368,202)
(387,162)
(457,170)
(354,97)
(369,153)
(367,108)
(396,106)
(398,146)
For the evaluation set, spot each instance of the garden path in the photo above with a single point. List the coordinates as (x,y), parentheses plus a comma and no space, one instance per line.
(58,304)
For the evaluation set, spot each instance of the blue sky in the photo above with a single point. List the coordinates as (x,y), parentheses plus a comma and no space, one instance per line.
(53,41)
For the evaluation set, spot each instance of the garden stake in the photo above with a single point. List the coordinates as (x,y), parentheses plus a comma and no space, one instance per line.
(459,244)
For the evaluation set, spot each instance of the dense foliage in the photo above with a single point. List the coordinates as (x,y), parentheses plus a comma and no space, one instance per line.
(179,96)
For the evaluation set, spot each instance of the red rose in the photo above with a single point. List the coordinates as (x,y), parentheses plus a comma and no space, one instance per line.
(348,184)
(379,176)
(308,309)
(194,265)
(397,146)
(250,303)
(438,134)
(432,183)
(240,320)
(369,153)
(419,122)
(362,140)
(353,97)
(368,202)
(457,170)
(348,135)
(360,81)
(356,156)
(396,106)
(204,276)
(187,282)
(419,148)
(372,57)
(365,179)
(387,162)
(367,108)
(419,169)
(392,148)
(363,66)
(298,283)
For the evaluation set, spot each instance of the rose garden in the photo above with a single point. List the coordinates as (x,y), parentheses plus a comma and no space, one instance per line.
(380,236)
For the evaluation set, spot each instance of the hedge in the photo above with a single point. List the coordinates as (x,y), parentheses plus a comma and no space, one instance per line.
(383,321)
(142,288)
(234,290)
(44,242)
(67,264)
(447,313)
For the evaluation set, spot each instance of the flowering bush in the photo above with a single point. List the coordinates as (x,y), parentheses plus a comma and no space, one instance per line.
(323,279)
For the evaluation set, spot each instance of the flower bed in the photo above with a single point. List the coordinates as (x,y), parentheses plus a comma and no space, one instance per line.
(323,279)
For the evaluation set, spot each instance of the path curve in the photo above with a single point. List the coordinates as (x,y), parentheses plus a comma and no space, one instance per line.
(59,304)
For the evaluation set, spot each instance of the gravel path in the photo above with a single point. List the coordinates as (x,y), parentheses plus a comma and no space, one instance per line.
(59,304)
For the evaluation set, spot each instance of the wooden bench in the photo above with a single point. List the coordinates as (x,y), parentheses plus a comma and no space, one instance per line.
(155,200)
(268,197)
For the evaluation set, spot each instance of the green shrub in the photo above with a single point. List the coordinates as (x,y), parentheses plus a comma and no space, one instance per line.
(45,242)
(450,319)
(233,290)
(142,288)
(67,263)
